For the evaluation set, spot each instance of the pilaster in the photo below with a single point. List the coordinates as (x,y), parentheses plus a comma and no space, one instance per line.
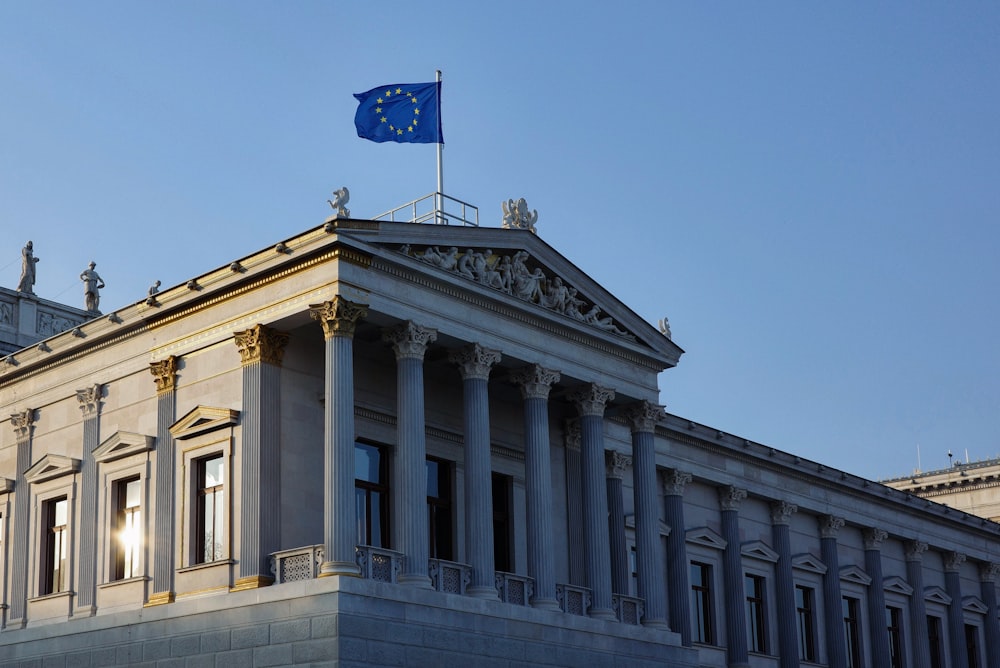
(165,376)
(784,583)
(988,573)
(615,464)
(836,647)
(919,643)
(873,540)
(678,586)
(737,652)
(23,424)
(956,624)
(86,590)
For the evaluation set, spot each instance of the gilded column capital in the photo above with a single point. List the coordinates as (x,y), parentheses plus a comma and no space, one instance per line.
(644,415)
(830,526)
(782,511)
(915,550)
(261,344)
(90,400)
(989,571)
(338,317)
(730,497)
(616,463)
(874,537)
(573,435)
(409,340)
(674,482)
(164,374)
(592,399)
(22,422)
(535,381)
(474,361)
(953,561)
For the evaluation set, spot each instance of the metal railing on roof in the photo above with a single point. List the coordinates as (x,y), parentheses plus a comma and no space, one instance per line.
(435,208)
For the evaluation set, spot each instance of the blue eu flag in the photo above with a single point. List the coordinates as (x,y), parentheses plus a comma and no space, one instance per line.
(404,113)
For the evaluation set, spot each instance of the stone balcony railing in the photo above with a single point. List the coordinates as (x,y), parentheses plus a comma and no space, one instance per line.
(628,609)
(379,563)
(513,588)
(449,576)
(572,599)
(301,563)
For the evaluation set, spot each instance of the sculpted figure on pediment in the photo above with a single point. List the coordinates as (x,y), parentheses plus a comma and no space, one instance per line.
(28,262)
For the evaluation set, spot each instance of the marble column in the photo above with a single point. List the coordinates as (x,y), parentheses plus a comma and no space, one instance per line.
(535,383)
(339,319)
(833,612)
(261,352)
(86,589)
(784,584)
(590,402)
(409,342)
(919,643)
(165,376)
(650,563)
(677,568)
(737,652)
(988,573)
(474,363)
(23,424)
(615,464)
(956,623)
(879,638)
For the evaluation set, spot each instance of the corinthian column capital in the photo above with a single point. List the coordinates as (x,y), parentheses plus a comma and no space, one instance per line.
(22,422)
(643,416)
(674,482)
(874,538)
(475,361)
(261,344)
(782,511)
(90,400)
(953,561)
(830,526)
(164,374)
(730,497)
(535,381)
(592,399)
(915,550)
(616,463)
(409,340)
(338,316)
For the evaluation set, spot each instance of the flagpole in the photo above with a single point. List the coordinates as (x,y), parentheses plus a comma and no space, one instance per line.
(440,166)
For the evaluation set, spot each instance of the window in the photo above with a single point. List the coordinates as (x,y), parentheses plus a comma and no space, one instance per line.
(210,510)
(371,495)
(55,547)
(128,528)
(702,628)
(502,543)
(756,629)
(894,626)
(439,508)
(805,611)
(935,641)
(852,631)
(972,644)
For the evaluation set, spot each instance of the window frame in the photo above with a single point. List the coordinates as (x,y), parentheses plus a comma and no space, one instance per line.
(503,535)
(47,486)
(54,579)
(123,568)
(805,621)
(756,609)
(441,511)
(703,626)
(936,630)
(192,542)
(383,487)
(853,628)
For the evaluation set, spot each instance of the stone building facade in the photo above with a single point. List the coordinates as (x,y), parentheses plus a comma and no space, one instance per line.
(971,487)
(382,443)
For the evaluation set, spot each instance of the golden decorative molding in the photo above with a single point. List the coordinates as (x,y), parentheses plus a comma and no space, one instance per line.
(261,344)
(252,582)
(159,598)
(338,317)
(164,374)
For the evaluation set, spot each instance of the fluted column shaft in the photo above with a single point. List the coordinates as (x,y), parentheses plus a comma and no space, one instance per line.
(956,622)
(597,558)
(737,653)
(261,350)
(165,375)
(86,586)
(784,584)
(340,525)
(22,423)
(409,341)
(833,614)
(536,383)
(649,557)
(616,523)
(873,539)
(919,640)
(991,626)
(678,585)
(474,363)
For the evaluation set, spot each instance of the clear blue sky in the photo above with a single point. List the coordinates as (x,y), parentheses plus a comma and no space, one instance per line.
(810,191)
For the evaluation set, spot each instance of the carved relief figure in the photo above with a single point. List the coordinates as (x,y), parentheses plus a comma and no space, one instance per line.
(6,313)
(28,262)
(92,283)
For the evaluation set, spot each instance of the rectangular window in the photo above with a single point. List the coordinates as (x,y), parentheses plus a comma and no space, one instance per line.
(972,644)
(894,627)
(371,494)
(439,508)
(503,547)
(55,547)
(852,631)
(210,510)
(805,611)
(756,616)
(703,630)
(128,528)
(935,641)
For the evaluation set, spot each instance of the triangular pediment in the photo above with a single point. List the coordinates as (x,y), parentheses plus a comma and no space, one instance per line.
(6,485)
(122,444)
(203,419)
(936,595)
(758,550)
(974,604)
(897,585)
(808,562)
(663,526)
(51,466)
(855,574)
(706,537)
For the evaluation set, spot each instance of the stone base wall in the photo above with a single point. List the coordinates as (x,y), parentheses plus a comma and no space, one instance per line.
(343,622)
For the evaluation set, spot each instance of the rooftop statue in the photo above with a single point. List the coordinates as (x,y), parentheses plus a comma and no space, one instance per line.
(341,197)
(28,262)
(92,283)
(516,215)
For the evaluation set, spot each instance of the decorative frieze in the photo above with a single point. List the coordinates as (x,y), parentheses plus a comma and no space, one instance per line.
(592,399)
(874,537)
(90,400)
(22,422)
(730,497)
(338,316)
(830,526)
(674,482)
(164,374)
(616,463)
(475,361)
(643,416)
(409,340)
(261,344)
(782,511)
(535,381)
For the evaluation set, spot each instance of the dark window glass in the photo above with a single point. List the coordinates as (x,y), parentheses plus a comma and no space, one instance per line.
(502,544)
(756,615)
(935,642)
(371,494)
(972,644)
(439,509)
(211,510)
(703,630)
(852,631)
(894,627)
(128,536)
(805,610)
(55,547)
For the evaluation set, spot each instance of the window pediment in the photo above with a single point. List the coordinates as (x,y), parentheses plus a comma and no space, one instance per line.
(51,466)
(707,537)
(897,585)
(855,574)
(807,562)
(974,604)
(203,419)
(759,550)
(936,595)
(122,444)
